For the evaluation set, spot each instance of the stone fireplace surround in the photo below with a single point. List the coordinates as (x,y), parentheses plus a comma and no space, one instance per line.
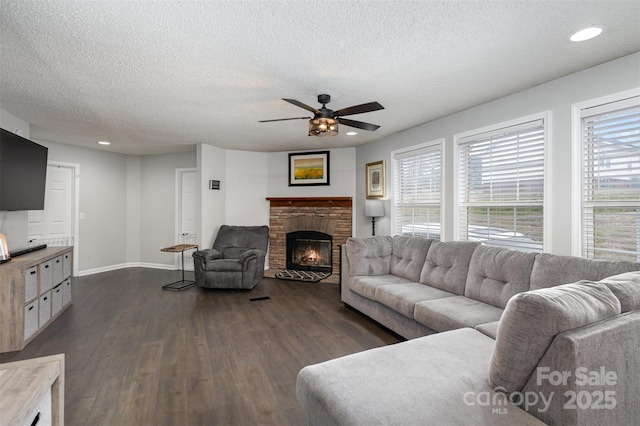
(330,215)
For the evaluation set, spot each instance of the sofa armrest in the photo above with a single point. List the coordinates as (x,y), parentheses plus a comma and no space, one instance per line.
(596,359)
(207,255)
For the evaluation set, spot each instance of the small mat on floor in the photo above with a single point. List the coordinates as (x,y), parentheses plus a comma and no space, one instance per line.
(306,276)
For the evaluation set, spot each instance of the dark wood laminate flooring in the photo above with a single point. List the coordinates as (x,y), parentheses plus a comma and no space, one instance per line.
(138,355)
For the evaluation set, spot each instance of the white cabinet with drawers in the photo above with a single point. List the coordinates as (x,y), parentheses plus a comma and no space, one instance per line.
(35,289)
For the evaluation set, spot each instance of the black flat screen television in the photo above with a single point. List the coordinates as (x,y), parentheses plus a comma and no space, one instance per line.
(23,173)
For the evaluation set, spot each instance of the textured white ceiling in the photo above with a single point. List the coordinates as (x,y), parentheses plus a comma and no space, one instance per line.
(160,76)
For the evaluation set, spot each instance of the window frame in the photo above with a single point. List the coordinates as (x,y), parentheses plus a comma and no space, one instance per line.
(461,138)
(439,144)
(577,109)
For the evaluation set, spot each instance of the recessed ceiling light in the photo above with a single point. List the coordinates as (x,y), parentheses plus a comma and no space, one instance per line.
(104,142)
(352,133)
(586,34)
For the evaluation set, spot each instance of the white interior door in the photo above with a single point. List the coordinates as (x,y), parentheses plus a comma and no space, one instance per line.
(186,214)
(54,225)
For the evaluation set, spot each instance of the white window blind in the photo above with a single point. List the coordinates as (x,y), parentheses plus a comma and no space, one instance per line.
(418,182)
(610,181)
(501,186)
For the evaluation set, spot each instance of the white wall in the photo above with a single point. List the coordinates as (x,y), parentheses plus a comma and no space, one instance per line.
(103,201)
(14,124)
(248,178)
(556,96)
(246,188)
(157,205)
(342,178)
(134,194)
(211,165)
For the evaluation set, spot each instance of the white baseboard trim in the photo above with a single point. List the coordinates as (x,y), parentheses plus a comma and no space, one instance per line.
(127,265)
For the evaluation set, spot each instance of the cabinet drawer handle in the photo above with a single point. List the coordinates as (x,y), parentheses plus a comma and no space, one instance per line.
(46,266)
(45,299)
(58,261)
(36,420)
(30,308)
(33,272)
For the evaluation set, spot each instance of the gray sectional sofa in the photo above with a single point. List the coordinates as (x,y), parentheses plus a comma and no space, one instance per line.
(496,337)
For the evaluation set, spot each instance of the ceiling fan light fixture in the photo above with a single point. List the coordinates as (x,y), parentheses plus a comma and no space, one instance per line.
(323,127)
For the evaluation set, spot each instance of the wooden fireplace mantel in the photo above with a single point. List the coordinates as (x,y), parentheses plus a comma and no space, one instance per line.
(311,202)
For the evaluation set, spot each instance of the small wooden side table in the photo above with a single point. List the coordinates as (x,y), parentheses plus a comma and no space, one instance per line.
(181,284)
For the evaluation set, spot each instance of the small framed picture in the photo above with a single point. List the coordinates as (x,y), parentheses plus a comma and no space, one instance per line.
(309,168)
(375,179)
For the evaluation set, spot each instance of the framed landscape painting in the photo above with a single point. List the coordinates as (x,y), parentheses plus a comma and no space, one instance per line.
(309,168)
(375,179)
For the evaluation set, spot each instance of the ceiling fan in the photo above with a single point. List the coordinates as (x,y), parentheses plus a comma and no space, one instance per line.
(325,121)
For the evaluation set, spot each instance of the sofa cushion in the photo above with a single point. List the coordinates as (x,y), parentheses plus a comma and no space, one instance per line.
(447,265)
(488,329)
(550,270)
(408,256)
(369,256)
(431,380)
(626,288)
(366,286)
(455,312)
(496,274)
(402,298)
(532,319)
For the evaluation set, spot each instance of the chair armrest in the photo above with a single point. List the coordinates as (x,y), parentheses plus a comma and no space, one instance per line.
(251,254)
(207,254)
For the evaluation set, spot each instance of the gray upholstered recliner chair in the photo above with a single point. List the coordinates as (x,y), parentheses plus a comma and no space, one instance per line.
(236,260)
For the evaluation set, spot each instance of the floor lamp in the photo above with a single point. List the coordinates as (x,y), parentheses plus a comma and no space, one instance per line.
(373,209)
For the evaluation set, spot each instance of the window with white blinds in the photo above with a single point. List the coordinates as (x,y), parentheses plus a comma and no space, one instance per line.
(610,181)
(501,186)
(417,191)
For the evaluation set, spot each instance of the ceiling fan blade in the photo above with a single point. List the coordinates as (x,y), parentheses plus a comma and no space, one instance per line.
(301,105)
(284,119)
(358,109)
(358,124)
